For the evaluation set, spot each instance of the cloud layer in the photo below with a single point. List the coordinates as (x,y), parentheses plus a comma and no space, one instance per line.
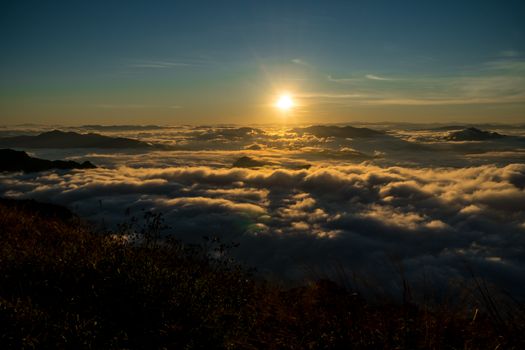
(366,218)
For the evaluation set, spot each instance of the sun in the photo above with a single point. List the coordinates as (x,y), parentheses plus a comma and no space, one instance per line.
(284,103)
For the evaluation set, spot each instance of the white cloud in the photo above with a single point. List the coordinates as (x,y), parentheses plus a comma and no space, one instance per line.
(375,77)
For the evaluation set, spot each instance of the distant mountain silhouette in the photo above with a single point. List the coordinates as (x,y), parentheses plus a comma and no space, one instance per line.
(339,131)
(61,139)
(473,134)
(11,160)
(247,162)
(124,127)
(449,128)
(254,147)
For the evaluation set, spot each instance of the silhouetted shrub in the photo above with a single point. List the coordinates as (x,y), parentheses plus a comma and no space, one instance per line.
(63,286)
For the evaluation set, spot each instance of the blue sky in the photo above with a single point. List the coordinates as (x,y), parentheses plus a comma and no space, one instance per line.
(174,62)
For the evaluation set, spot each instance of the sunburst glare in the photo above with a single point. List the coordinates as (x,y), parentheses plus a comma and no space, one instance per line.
(285,102)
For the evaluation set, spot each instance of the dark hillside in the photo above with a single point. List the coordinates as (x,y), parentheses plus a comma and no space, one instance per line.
(63,286)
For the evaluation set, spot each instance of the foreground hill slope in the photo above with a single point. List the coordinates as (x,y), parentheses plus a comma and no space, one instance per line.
(64,286)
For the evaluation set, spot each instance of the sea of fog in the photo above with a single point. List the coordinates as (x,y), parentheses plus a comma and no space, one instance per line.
(410,202)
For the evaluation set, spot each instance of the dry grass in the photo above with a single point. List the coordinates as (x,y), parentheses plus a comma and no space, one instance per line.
(63,286)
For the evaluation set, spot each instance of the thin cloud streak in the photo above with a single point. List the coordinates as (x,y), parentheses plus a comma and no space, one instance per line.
(496,82)
(375,77)
(134,106)
(343,80)
(363,99)
(314,95)
(159,64)
(301,62)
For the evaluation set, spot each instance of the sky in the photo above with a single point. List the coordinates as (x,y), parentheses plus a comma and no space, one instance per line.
(218,62)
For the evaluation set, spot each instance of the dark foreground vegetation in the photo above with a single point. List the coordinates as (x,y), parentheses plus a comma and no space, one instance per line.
(64,286)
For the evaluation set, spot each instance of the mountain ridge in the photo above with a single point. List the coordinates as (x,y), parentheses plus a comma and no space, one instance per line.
(71,139)
(11,160)
(339,131)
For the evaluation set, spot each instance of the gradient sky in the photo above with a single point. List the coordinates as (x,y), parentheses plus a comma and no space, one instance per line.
(172,62)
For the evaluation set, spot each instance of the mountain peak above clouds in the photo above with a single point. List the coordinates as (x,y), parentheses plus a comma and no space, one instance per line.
(69,139)
(11,160)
